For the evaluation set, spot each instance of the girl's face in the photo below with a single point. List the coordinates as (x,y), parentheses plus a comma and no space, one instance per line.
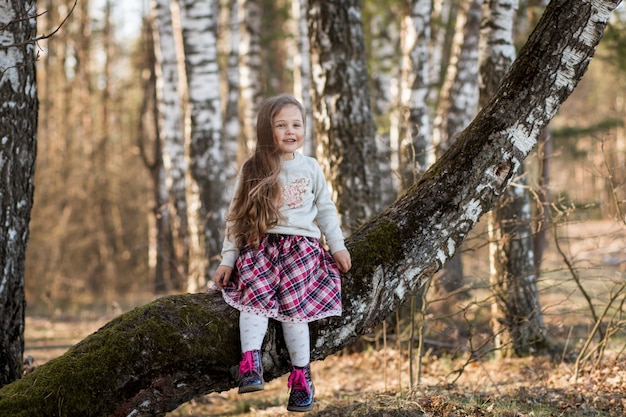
(288,129)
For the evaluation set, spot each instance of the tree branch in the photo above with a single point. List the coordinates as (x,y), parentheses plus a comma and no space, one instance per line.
(39,38)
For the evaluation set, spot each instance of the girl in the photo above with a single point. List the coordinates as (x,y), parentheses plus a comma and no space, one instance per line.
(273,264)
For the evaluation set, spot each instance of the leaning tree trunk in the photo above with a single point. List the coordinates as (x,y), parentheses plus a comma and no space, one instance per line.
(18,148)
(156,357)
(345,130)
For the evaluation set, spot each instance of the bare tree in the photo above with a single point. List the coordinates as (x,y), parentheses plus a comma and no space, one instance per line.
(413,130)
(250,14)
(162,253)
(18,148)
(458,103)
(302,70)
(344,124)
(152,359)
(517,321)
(171,128)
(199,30)
(232,126)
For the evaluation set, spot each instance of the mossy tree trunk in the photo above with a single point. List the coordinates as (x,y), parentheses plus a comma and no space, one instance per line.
(156,357)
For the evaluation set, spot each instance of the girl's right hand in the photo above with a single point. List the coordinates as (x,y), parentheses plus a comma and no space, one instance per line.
(222,276)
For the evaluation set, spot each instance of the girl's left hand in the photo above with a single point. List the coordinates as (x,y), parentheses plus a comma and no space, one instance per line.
(343,261)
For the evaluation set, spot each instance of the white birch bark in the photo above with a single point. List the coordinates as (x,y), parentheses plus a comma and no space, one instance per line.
(344,122)
(517,321)
(458,101)
(232,125)
(413,131)
(302,71)
(18,148)
(199,28)
(249,69)
(171,125)
(441,13)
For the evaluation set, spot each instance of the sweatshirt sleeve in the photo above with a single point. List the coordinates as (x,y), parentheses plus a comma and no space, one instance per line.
(327,217)
(230,252)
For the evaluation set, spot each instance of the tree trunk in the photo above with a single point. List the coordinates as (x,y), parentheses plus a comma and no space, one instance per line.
(18,148)
(457,105)
(458,101)
(302,71)
(156,357)
(516,321)
(344,124)
(162,257)
(199,26)
(413,134)
(171,128)
(250,13)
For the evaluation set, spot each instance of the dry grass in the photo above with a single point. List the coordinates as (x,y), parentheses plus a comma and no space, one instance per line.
(376,384)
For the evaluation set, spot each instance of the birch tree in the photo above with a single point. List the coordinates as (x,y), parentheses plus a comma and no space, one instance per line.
(249,69)
(154,358)
(232,126)
(208,167)
(516,321)
(413,130)
(18,148)
(344,126)
(161,253)
(171,127)
(458,103)
(302,70)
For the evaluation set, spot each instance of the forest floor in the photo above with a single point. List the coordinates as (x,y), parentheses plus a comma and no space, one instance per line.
(372,379)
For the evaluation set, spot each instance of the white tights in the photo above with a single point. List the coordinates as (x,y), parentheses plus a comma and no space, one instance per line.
(252,329)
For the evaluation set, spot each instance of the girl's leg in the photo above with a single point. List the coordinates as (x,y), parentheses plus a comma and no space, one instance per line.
(298,343)
(299,347)
(252,330)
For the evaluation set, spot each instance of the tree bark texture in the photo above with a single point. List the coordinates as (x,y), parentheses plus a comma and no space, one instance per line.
(414,127)
(516,321)
(18,148)
(458,104)
(199,27)
(156,357)
(250,65)
(171,127)
(345,128)
(458,101)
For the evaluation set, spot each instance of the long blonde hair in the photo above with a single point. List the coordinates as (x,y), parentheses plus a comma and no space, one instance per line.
(255,209)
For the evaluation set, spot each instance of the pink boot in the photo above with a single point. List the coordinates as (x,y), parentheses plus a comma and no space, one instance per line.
(302,389)
(251,372)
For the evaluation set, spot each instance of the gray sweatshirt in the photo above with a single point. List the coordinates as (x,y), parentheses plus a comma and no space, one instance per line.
(307,207)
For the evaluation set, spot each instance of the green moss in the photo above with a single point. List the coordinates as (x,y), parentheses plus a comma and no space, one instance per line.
(172,334)
(381,246)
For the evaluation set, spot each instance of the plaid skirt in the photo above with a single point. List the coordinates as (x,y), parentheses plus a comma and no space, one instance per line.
(288,278)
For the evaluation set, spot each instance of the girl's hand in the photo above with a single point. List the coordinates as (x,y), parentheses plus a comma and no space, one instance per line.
(343,261)
(222,276)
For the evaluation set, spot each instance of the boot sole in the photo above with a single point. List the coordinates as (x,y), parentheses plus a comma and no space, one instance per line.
(300,409)
(251,388)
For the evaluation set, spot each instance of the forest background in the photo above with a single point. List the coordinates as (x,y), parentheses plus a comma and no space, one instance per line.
(94,222)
